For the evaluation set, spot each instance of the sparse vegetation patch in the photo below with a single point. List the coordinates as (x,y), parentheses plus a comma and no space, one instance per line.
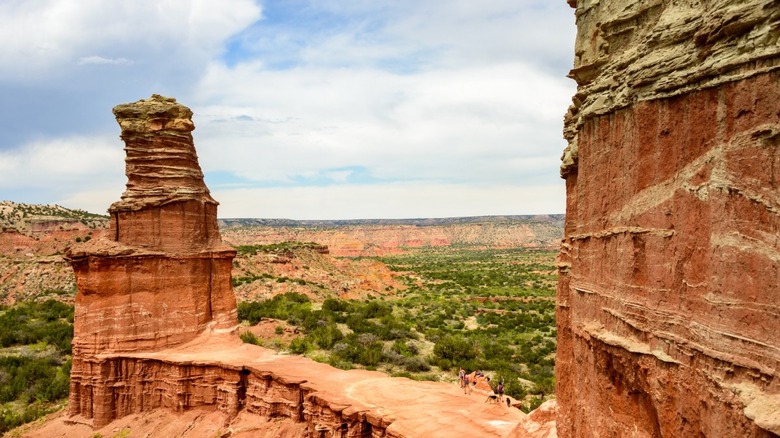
(488,310)
(34,361)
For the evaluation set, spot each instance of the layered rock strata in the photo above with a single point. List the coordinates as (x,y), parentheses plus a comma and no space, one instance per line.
(218,372)
(163,276)
(669,280)
(155,324)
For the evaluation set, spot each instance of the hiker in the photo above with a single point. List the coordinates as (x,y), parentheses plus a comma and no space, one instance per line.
(461,376)
(466,386)
(500,391)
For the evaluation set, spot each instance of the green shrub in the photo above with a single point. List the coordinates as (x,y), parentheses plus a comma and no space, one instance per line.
(300,346)
(250,338)
(326,336)
(285,306)
(532,404)
(455,349)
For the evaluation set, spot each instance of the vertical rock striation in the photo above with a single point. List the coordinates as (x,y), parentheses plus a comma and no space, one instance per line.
(669,287)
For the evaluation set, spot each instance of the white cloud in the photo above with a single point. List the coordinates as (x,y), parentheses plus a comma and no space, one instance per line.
(58,168)
(410,103)
(493,123)
(95,59)
(397,201)
(91,199)
(42,37)
(422,33)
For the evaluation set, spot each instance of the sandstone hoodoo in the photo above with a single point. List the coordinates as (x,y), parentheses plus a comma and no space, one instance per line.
(155,327)
(163,276)
(669,285)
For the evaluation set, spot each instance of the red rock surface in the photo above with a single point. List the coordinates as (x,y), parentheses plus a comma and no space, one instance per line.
(164,275)
(323,276)
(217,372)
(669,274)
(540,423)
(156,349)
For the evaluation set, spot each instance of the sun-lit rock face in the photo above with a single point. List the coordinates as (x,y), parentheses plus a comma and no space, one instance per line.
(669,287)
(166,206)
(162,276)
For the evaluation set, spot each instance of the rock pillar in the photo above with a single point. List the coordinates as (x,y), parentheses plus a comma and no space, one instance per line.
(669,290)
(163,276)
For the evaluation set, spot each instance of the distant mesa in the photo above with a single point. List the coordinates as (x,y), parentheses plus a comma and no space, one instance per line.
(378,237)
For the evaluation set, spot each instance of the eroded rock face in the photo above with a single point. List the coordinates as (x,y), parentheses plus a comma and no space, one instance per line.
(162,277)
(166,206)
(670,269)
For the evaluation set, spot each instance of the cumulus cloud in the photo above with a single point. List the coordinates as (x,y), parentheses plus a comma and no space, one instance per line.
(416,103)
(53,171)
(65,63)
(42,37)
(479,124)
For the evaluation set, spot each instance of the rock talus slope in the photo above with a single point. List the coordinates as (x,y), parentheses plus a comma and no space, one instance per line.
(669,281)
(155,328)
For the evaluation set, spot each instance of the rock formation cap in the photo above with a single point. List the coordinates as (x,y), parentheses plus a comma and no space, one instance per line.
(153,114)
(161,163)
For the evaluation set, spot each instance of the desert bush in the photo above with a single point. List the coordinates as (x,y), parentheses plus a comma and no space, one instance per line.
(29,323)
(326,336)
(455,349)
(250,338)
(532,404)
(416,364)
(31,378)
(300,346)
(364,349)
(286,306)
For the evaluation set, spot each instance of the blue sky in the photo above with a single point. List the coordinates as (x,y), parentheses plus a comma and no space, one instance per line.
(303,109)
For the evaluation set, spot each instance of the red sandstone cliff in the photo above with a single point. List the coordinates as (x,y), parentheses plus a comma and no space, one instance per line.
(164,275)
(670,270)
(32,239)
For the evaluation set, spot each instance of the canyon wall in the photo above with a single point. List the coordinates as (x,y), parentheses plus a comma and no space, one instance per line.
(669,281)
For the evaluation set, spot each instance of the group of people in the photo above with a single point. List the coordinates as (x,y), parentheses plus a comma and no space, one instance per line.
(467,383)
